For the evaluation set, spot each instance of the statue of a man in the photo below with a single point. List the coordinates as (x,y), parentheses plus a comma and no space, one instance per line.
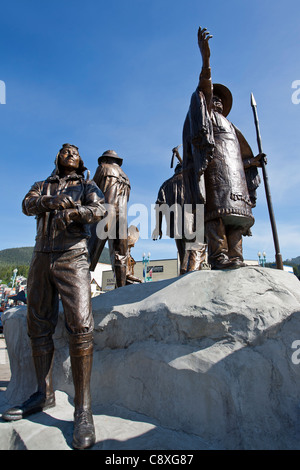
(115,185)
(220,169)
(169,203)
(64,205)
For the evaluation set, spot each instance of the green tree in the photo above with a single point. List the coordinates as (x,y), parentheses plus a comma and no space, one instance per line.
(6,272)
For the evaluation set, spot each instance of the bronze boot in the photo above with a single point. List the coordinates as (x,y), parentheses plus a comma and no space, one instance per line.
(120,273)
(81,353)
(43,398)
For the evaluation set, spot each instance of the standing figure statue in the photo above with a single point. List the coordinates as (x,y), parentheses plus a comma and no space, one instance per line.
(64,205)
(115,185)
(133,236)
(170,204)
(220,169)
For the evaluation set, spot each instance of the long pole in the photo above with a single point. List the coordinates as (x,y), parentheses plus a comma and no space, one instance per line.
(279,263)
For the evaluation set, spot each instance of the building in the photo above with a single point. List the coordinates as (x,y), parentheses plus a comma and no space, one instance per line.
(288,269)
(157,270)
(97,278)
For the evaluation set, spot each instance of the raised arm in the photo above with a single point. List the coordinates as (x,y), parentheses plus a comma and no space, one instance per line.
(205,83)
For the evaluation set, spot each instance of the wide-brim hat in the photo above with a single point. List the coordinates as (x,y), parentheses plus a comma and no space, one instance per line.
(222,92)
(111,154)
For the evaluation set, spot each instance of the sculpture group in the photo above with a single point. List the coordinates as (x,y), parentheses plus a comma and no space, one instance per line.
(217,170)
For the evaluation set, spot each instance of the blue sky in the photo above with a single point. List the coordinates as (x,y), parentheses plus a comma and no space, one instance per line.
(119,75)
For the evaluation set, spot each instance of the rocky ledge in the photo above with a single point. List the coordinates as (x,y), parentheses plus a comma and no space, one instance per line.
(210,353)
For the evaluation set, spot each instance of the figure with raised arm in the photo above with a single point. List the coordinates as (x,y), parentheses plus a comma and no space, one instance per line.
(220,170)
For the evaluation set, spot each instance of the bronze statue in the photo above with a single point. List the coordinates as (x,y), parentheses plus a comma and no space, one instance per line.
(219,167)
(133,236)
(171,194)
(170,203)
(115,185)
(64,205)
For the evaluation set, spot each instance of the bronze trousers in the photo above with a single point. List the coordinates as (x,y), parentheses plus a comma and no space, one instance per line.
(223,241)
(50,275)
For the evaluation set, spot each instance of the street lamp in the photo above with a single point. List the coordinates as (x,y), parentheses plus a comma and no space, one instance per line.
(262,258)
(14,277)
(146,261)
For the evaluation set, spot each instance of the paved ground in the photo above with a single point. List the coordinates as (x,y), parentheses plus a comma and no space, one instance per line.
(116,427)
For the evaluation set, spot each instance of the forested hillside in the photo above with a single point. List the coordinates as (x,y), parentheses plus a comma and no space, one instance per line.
(19,258)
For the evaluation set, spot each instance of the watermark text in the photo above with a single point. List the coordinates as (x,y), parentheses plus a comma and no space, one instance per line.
(181,222)
(296,93)
(2,92)
(296,354)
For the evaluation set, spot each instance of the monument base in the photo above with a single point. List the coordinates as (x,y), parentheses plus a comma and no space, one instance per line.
(211,353)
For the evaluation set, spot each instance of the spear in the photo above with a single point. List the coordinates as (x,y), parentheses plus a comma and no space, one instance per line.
(175,152)
(279,264)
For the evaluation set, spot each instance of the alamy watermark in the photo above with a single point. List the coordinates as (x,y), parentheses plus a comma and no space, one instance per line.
(182,222)
(296,354)
(2,92)
(296,94)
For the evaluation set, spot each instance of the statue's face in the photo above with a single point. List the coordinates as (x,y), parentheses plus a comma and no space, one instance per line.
(69,158)
(217,104)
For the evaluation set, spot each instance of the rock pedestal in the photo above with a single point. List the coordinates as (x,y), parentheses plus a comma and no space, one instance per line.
(211,353)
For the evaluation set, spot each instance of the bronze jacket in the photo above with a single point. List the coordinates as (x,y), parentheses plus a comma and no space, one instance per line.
(227,192)
(214,151)
(89,202)
(171,194)
(114,184)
